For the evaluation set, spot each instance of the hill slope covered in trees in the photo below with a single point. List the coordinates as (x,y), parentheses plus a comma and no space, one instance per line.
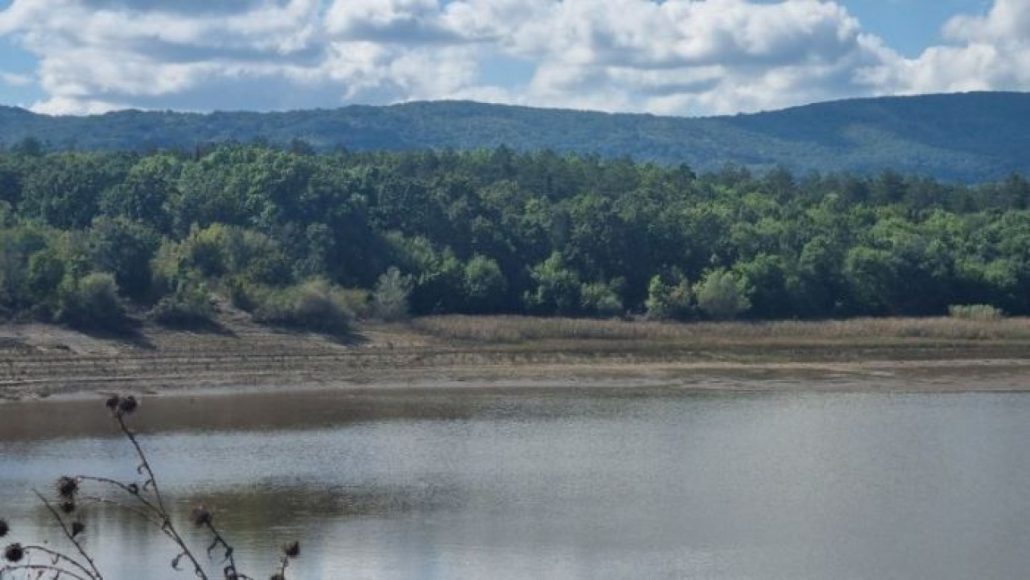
(299,238)
(965,137)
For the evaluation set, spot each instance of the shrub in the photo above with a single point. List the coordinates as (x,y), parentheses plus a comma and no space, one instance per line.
(205,250)
(722,295)
(667,301)
(390,299)
(312,305)
(975,312)
(190,305)
(485,285)
(557,287)
(221,251)
(125,249)
(91,302)
(242,293)
(355,300)
(603,299)
(45,272)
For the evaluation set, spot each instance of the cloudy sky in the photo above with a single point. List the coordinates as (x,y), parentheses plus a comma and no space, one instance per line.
(682,57)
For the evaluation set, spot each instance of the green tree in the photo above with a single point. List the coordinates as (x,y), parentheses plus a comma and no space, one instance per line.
(45,273)
(557,287)
(772,284)
(124,248)
(65,191)
(873,277)
(485,285)
(146,193)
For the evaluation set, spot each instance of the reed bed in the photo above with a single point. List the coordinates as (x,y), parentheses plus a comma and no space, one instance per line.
(515,329)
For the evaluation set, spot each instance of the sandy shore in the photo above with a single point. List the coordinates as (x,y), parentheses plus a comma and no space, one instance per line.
(40,361)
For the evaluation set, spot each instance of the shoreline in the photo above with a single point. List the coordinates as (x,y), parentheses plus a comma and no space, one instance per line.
(317,405)
(936,355)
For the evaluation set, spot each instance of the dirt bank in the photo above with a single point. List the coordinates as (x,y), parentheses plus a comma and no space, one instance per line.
(462,352)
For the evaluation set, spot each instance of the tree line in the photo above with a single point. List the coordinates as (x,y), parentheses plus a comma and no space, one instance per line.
(296,237)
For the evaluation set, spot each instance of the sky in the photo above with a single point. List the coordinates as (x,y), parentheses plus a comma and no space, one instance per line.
(670,57)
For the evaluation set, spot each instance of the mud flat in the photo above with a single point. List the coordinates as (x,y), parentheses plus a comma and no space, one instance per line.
(459,352)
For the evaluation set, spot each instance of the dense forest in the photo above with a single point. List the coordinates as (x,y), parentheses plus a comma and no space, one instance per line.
(297,237)
(970,137)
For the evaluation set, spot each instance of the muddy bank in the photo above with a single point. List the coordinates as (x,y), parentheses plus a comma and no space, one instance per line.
(39,361)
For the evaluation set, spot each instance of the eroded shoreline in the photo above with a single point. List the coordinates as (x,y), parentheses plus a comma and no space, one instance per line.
(40,362)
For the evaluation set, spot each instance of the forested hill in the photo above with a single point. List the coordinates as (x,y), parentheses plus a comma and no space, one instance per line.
(966,137)
(299,239)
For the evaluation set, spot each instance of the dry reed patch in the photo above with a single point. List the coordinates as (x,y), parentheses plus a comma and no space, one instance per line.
(515,329)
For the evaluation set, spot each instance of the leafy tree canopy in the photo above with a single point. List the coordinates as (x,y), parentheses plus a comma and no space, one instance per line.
(281,232)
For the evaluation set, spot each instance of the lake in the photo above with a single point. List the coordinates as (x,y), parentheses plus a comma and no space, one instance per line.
(562,483)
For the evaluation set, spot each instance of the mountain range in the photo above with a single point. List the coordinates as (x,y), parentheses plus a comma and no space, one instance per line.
(961,137)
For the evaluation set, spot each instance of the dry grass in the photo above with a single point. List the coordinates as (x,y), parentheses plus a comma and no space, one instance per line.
(36,360)
(515,329)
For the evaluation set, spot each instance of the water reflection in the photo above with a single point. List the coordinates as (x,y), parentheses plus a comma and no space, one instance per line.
(36,420)
(563,484)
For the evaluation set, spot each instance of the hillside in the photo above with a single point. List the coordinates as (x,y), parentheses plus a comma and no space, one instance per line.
(967,137)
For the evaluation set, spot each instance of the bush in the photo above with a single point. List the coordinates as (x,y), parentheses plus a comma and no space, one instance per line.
(190,305)
(975,312)
(45,272)
(485,285)
(242,293)
(355,300)
(722,295)
(602,299)
(390,299)
(557,287)
(221,251)
(125,249)
(91,302)
(668,301)
(313,305)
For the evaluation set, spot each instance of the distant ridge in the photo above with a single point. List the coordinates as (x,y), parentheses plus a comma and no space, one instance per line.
(965,137)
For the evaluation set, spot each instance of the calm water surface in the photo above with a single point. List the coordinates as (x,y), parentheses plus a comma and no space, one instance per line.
(560,484)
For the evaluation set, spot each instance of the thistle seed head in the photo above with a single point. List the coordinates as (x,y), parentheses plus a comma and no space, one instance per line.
(127,405)
(67,487)
(78,528)
(14,553)
(4,528)
(200,516)
(292,550)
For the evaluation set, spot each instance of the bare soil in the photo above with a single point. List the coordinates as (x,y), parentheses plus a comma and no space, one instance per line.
(38,361)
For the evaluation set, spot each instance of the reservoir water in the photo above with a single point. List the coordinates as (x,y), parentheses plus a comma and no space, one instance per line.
(564,483)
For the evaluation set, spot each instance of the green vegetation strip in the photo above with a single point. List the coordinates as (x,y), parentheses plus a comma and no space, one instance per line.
(300,240)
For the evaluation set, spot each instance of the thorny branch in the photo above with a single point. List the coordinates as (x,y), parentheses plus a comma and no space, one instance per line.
(68,533)
(151,508)
(42,569)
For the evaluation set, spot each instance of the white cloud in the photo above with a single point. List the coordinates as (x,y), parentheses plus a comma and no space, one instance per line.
(986,52)
(385,20)
(15,79)
(674,56)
